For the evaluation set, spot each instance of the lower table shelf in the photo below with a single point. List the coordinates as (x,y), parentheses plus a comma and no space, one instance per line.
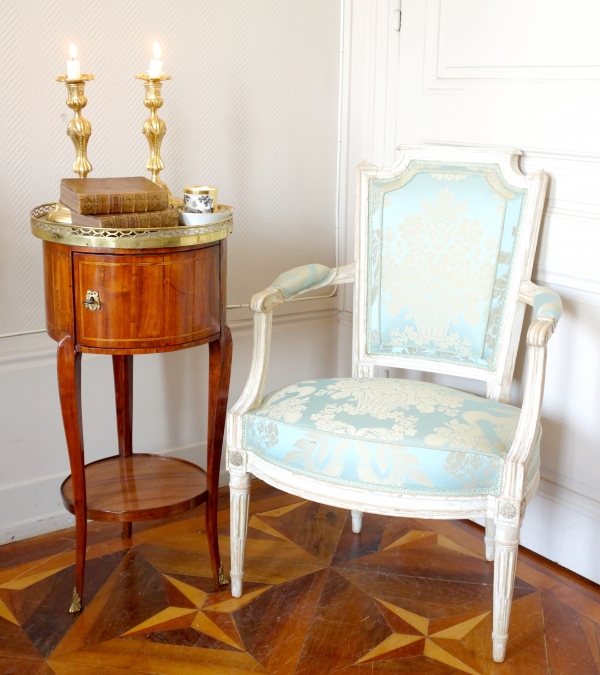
(140,487)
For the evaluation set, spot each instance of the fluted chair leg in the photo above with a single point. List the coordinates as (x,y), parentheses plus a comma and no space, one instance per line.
(356,521)
(239,490)
(505,564)
(490,538)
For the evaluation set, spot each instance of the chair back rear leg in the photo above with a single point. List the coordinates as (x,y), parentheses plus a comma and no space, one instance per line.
(490,538)
(356,521)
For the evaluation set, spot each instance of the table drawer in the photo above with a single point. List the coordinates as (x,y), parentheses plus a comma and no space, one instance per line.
(146,301)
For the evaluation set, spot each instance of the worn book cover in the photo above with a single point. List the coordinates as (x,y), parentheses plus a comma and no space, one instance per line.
(165,218)
(92,196)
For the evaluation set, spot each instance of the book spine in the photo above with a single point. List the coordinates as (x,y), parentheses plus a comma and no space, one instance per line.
(129,202)
(168,218)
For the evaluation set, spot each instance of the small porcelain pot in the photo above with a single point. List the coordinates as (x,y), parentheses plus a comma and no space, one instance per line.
(200,199)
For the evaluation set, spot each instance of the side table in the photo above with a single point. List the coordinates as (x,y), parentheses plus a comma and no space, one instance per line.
(127,292)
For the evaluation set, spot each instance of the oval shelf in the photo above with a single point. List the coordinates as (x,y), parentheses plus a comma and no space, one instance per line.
(140,487)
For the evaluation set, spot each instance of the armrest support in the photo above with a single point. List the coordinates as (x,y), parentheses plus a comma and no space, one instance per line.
(284,288)
(547,308)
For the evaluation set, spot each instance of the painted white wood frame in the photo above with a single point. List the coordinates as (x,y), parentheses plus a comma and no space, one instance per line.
(504,512)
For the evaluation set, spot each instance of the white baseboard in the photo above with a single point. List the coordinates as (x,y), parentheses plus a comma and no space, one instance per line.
(563,525)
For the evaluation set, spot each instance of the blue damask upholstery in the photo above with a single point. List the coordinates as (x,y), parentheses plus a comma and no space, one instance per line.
(547,302)
(441,241)
(386,434)
(301,278)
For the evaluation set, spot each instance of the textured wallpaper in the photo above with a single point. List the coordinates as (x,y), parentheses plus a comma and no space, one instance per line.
(252,108)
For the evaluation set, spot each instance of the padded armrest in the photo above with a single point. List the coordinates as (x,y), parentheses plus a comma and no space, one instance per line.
(302,279)
(547,302)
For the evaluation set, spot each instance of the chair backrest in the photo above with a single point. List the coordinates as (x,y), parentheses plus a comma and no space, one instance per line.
(444,239)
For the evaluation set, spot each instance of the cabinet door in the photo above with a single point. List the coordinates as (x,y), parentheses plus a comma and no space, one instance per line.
(147,300)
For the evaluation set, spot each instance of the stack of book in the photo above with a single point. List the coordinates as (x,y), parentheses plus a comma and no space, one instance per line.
(117,203)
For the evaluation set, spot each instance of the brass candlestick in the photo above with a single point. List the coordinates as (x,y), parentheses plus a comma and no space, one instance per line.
(79,131)
(154,130)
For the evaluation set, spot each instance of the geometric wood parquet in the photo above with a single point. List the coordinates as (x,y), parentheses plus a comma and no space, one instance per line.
(404,596)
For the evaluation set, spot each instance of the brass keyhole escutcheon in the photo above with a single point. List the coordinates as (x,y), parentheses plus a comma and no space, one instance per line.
(92,301)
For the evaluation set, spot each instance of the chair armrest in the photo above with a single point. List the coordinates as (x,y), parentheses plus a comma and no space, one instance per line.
(284,288)
(300,280)
(544,300)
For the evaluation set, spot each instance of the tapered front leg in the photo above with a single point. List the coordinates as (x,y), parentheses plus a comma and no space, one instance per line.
(69,386)
(490,538)
(505,565)
(219,375)
(239,494)
(123,373)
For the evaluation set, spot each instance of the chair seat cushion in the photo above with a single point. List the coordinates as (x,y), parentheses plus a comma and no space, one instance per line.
(393,435)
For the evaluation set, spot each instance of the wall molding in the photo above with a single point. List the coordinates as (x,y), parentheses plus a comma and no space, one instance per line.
(497,79)
(38,349)
(570,494)
(528,152)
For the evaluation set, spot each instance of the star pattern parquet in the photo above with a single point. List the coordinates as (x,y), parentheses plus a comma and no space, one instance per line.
(404,596)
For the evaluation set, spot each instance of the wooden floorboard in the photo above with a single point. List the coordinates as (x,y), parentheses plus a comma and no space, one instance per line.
(404,596)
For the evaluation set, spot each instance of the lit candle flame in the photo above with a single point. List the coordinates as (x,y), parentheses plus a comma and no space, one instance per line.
(73,51)
(156,50)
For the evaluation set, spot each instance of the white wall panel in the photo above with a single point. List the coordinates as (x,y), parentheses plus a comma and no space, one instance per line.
(252,108)
(527,75)
(515,38)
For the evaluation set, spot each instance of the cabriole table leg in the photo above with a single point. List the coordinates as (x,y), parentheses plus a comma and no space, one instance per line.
(219,374)
(123,373)
(69,385)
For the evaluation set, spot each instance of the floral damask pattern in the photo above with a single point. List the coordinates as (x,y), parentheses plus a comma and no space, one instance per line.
(441,239)
(387,434)
(438,266)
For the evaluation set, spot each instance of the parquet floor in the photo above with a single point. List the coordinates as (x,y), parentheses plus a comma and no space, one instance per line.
(404,596)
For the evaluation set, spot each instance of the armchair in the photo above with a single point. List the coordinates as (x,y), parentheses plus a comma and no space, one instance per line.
(445,242)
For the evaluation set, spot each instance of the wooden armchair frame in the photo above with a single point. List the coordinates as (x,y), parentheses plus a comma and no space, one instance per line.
(503,512)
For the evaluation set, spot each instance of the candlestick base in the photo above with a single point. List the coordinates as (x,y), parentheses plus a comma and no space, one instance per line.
(59,214)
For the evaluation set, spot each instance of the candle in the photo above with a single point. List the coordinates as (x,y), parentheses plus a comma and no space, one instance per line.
(155,68)
(73,67)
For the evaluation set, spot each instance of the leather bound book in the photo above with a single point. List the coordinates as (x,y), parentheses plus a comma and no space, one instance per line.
(91,196)
(166,218)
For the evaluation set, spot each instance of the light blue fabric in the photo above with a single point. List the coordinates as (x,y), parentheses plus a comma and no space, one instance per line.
(301,278)
(386,434)
(441,243)
(547,302)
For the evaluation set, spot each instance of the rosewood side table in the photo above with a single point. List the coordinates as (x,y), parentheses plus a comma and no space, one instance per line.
(127,292)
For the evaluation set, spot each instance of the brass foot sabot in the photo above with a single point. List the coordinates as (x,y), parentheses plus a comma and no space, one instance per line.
(75,603)
(222,579)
